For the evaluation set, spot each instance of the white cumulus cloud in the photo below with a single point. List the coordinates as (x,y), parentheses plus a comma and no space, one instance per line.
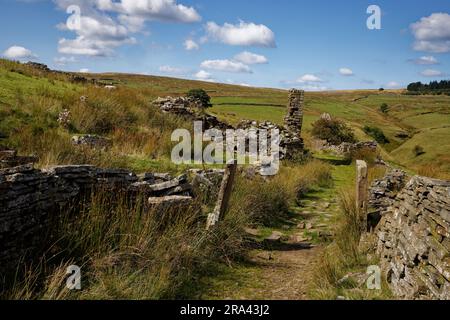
(162,10)
(309,78)
(346,72)
(105,25)
(84,70)
(241,34)
(97,36)
(432,33)
(425,60)
(432,73)
(204,76)
(191,45)
(18,53)
(250,58)
(226,66)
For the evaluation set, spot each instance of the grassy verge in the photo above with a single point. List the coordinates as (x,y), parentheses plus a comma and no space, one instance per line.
(341,272)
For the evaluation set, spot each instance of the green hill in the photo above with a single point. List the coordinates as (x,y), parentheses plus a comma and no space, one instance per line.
(30,101)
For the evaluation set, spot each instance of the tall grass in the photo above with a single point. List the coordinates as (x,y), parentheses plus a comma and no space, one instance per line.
(127,251)
(267,201)
(28,119)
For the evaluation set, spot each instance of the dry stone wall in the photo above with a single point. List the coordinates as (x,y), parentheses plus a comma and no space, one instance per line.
(31,198)
(9,158)
(346,149)
(414,236)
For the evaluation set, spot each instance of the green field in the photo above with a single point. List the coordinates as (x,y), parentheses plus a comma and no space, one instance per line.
(31,98)
(426,119)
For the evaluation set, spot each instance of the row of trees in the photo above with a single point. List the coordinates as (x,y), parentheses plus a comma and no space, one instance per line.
(433,87)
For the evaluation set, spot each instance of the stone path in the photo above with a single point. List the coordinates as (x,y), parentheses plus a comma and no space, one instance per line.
(284,269)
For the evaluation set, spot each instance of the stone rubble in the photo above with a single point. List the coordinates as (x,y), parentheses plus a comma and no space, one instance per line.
(92,141)
(291,143)
(191,109)
(38,66)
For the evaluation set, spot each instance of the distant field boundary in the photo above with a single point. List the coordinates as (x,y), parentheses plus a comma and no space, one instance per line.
(249,104)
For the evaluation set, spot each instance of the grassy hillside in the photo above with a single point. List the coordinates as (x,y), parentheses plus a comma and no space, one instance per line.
(31,100)
(425,119)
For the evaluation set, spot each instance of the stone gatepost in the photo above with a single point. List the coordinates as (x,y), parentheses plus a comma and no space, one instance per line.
(224,196)
(362,193)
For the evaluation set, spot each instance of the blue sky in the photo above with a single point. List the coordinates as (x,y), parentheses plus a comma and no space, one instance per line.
(314,45)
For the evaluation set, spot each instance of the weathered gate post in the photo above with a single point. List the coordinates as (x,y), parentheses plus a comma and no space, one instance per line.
(223,197)
(361,193)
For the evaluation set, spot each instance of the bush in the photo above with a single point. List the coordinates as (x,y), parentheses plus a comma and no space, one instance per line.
(333,131)
(367,154)
(201,95)
(377,134)
(418,151)
(384,108)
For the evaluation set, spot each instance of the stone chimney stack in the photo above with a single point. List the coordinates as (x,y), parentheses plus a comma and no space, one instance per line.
(294,118)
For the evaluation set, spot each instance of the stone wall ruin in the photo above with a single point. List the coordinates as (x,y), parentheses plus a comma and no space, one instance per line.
(293,122)
(413,235)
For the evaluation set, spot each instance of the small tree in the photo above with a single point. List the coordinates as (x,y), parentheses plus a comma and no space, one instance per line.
(381,89)
(377,134)
(333,131)
(202,96)
(384,108)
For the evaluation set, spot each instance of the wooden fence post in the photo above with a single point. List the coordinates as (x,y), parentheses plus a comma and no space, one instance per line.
(362,193)
(223,197)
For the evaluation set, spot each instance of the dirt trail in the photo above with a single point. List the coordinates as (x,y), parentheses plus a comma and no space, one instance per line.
(284,269)
(286,276)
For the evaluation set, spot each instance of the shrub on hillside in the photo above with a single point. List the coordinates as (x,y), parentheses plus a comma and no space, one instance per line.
(384,108)
(377,134)
(418,151)
(202,96)
(333,131)
(367,154)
